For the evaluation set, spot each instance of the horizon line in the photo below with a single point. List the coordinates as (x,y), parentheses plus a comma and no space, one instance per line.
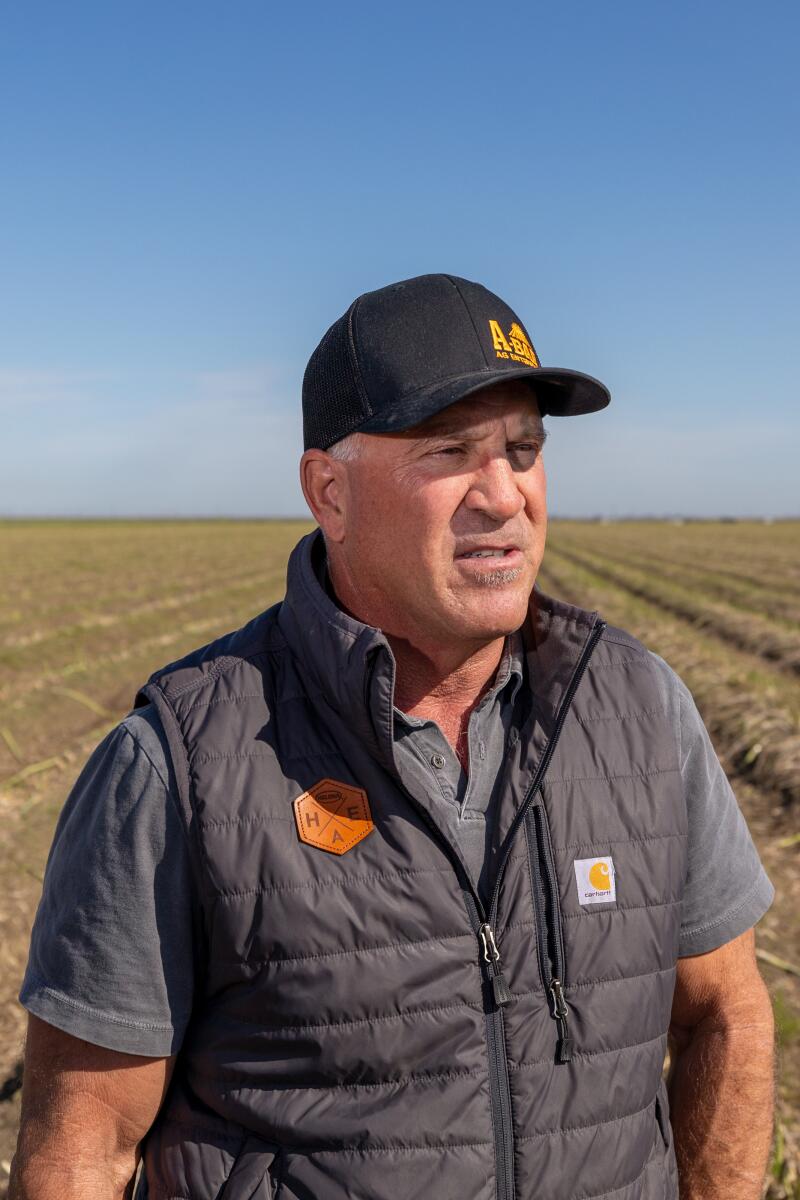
(552,516)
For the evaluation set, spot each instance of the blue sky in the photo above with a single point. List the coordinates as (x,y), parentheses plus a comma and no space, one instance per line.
(192,193)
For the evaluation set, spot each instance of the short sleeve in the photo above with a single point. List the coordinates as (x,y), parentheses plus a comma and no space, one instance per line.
(727,889)
(111,956)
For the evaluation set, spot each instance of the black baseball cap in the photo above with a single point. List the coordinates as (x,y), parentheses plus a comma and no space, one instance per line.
(406,351)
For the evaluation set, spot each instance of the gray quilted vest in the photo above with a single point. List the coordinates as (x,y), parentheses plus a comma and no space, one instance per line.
(363,1027)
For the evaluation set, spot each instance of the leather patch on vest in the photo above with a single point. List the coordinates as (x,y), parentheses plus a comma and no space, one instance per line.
(333,816)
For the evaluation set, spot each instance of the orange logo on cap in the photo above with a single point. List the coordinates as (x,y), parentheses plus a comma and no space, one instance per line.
(515,346)
(333,816)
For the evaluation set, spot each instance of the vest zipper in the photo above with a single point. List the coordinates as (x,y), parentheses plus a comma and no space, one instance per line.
(499,1085)
(483,923)
(549,930)
(500,990)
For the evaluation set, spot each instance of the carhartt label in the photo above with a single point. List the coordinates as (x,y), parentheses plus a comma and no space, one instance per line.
(513,345)
(333,816)
(595,880)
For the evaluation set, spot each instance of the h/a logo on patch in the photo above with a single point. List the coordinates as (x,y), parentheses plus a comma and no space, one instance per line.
(596,880)
(333,816)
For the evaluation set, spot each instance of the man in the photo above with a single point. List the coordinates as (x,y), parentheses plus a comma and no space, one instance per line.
(398,890)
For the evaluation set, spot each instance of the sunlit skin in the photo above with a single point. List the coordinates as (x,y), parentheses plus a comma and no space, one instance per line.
(397,521)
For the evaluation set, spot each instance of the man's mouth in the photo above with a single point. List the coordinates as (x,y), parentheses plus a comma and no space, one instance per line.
(491,552)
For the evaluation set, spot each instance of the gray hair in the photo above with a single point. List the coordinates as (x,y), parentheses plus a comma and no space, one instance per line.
(347,448)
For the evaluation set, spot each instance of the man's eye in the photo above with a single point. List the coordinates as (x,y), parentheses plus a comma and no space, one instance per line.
(449,450)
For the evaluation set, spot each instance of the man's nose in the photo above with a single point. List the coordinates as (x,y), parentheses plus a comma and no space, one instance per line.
(493,490)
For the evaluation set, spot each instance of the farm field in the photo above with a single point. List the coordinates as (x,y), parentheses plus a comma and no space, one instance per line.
(89,608)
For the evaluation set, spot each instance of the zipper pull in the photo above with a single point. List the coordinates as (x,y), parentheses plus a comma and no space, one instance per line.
(560,1012)
(500,989)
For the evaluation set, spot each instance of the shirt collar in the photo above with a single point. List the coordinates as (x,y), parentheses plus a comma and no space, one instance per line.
(507,679)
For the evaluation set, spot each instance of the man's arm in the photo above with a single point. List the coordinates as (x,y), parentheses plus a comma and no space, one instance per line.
(85,1109)
(721,1081)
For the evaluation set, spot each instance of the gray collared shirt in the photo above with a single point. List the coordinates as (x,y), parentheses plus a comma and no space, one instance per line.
(466,800)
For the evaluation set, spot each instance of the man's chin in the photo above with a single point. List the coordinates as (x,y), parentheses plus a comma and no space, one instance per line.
(494,615)
(494,575)
(499,588)
(499,577)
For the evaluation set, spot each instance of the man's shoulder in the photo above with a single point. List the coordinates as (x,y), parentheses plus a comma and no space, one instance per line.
(204,666)
(623,646)
(146,730)
(673,687)
(668,678)
(554,611)
(616,636)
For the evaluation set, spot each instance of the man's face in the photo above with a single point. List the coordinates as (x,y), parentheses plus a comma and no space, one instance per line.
(418,504)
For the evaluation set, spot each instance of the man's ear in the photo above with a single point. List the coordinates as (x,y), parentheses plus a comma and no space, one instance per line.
(324,483)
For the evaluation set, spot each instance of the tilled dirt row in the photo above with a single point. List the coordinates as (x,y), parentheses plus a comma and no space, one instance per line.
(742,551)
(778,642)
(745,592)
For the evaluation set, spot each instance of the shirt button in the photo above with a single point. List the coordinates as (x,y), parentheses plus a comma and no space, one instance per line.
(437,760)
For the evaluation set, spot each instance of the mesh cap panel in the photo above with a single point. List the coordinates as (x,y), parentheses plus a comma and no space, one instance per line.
(334,400)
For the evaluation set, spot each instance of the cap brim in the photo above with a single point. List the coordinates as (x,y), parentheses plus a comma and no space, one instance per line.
(558,391)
